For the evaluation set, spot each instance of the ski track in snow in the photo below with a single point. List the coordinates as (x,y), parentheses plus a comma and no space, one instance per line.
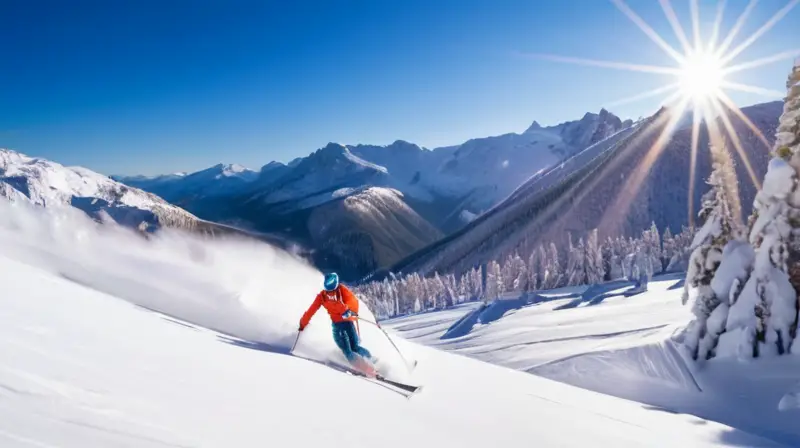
(83,368)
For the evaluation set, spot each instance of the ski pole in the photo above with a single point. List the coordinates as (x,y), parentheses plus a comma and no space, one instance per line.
(295,342)
(390,340)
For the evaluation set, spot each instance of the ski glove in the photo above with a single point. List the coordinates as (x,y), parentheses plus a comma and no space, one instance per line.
(348,314)
(300,328)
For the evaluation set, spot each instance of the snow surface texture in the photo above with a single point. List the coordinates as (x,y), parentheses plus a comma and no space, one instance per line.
(45,183)
(82,368)
(621,346)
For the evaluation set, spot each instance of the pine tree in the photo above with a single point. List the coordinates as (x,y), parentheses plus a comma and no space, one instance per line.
(719,227)
(534,262)
(772,290)
(668,244)
(575,273)
(494,281)
(655,248)
(593,264)
(554,272)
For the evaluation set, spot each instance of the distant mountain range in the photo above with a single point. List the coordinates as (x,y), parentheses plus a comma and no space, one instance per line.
(364,207)
(613,186)
(401,208)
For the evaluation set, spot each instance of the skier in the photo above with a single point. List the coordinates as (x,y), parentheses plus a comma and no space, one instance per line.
(342,306)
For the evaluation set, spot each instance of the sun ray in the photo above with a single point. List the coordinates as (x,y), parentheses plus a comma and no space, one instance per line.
(712,41)
(648,129)
(606,64)
(676,25)
(695,23)
(643,95)
(701,86)
(736,28)
(716,138)
(770,23)
(737,143)
(726,100)
(650,32)
(626,195)
(752,89)
(696,121)
(789,54)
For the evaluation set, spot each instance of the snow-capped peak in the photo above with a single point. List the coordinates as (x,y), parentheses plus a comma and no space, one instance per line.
(222,171)
(338,153)
(535,126)
(231,170)
(42,182)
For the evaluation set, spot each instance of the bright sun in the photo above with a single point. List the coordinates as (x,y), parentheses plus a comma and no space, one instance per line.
(701,76)
(700,81)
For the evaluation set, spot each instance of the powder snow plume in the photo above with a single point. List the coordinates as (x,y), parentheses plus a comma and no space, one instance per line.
(242,288)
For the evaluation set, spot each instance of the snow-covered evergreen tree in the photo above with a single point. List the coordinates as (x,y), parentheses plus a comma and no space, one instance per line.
(494,281)
(719,227)
(771,291)
(668,248)
(682,243)
(593,264)
(654,249)
(520,272)
(533,269)
(573,262)
(554,273)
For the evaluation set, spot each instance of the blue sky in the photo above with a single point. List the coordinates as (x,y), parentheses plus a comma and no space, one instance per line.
(147,87)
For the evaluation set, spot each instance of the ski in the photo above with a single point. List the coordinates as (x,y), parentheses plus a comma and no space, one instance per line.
(406,390)
(406,387)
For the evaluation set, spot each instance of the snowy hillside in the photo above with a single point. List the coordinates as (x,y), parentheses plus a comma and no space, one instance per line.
(353,230)
(183,189)
(596,338)
(486,170)
(83,367)
(45,183)
(330,168)
(595,189)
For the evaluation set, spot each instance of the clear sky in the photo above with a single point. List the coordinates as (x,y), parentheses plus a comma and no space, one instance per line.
(147,87)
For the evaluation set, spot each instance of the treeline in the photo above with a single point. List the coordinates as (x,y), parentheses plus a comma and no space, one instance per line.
(585,262)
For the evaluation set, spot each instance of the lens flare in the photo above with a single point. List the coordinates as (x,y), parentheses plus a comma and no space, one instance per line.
(699,75)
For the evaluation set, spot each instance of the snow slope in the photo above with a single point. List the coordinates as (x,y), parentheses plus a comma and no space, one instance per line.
(45,183)
(83,368)
(598,339)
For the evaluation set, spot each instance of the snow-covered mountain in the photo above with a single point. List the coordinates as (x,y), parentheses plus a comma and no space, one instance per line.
(44,183)
(436,191)
(613,186)
(353,230)
(182,189)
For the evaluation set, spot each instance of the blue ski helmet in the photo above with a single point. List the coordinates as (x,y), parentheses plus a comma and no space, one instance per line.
(331,281)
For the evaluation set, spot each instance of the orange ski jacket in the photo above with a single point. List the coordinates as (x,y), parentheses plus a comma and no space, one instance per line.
(336,303)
